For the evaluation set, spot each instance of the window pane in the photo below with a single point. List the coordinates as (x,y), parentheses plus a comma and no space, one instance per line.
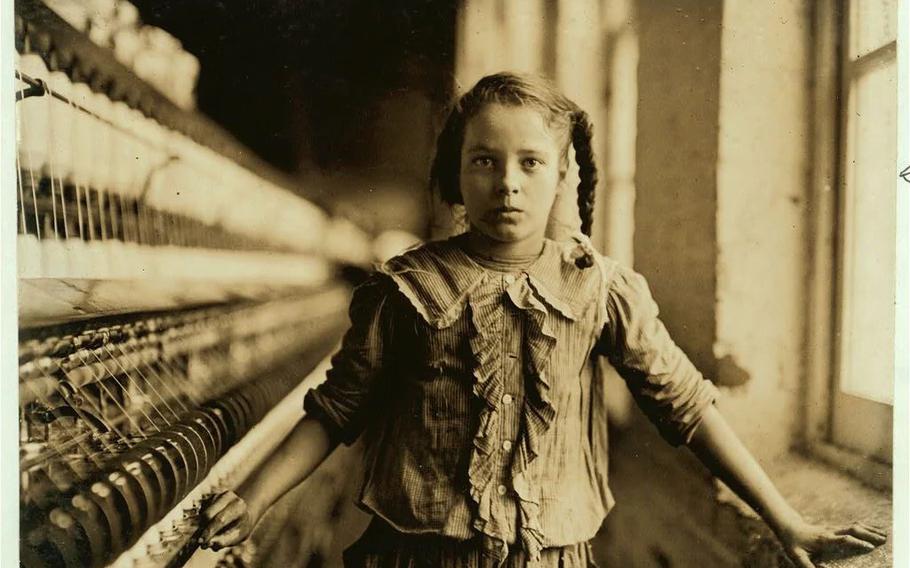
(873,24)
(867,353)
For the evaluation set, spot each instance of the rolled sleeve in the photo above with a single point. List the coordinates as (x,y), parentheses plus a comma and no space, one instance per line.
(344,402)
(665,384)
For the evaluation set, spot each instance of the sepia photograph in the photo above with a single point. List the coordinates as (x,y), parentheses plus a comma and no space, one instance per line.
(455,283)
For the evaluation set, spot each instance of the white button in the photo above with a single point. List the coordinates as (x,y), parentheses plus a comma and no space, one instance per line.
(507,445)
(507,399)
(501,489)
(509,279)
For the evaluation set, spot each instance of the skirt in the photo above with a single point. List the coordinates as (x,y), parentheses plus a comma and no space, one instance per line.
(381,546)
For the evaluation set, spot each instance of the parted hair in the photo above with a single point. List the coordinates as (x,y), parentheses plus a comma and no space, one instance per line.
(515,89)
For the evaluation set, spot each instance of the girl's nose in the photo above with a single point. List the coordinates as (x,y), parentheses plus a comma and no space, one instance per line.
(509,183)
(506,188)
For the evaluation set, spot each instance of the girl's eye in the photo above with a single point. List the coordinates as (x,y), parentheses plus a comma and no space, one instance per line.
(482,162)
(531,163)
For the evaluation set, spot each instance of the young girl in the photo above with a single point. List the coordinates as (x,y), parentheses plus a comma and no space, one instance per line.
(470,368)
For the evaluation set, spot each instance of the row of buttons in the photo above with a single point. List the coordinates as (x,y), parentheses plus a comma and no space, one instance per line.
(506,444)
(507,399)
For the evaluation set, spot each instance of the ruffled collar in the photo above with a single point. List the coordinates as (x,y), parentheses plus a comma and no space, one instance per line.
(439,276)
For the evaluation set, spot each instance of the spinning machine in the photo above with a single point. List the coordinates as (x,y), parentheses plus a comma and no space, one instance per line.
(176,298)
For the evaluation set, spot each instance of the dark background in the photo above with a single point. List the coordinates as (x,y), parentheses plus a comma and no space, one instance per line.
(345,95)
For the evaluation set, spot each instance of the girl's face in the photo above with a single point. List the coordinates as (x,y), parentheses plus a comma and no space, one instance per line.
(511,168)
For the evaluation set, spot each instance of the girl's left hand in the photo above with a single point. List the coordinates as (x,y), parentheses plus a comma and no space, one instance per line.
(806,542)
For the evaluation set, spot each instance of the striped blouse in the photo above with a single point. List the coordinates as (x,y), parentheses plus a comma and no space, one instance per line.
(480,396)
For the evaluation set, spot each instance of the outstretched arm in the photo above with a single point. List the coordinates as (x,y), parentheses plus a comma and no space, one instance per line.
(675,396)
(335,413)
(231,516)
(718,447)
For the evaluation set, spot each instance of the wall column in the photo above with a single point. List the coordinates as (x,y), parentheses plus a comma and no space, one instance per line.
(675,242)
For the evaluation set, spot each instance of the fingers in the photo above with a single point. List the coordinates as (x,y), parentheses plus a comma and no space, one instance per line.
(218,504)
(800,558)
(226,510)
(230,537)
(849,543)
(865,532)
(225,518)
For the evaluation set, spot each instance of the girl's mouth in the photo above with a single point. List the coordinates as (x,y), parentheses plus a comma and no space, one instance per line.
(505,214)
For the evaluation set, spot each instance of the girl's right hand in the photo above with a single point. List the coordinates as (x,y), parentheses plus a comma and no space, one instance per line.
(806,542)
(228,521)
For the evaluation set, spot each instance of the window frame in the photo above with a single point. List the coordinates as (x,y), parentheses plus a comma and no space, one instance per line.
(827,149)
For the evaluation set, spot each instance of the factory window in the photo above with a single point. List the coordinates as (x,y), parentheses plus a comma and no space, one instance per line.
(865,234)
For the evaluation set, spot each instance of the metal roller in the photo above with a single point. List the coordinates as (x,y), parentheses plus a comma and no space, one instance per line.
(130,501)
(114,510)
(94,522)
(144,466)
(173,474)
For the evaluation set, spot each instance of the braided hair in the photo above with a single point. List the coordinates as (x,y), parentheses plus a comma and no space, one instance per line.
(512,89)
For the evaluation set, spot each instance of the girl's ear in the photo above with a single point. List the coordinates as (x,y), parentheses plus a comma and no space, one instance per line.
(564,220)
(565,165)
(568,172)
(563,170)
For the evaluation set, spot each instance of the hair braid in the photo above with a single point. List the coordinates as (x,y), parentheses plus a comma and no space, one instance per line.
(587,169)
(587,177)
